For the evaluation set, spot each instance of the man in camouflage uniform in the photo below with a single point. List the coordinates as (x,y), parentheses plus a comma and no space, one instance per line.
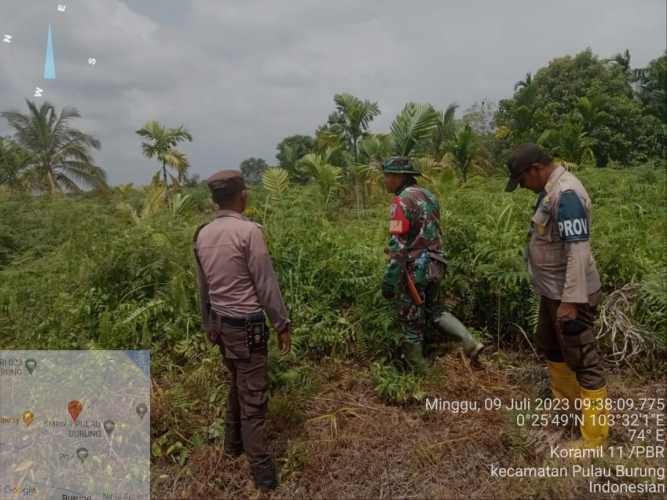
(415,255)
(564,274)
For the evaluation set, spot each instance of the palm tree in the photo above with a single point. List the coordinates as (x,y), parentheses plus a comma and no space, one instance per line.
(162,145)
(14,165)
(443,131)
(464,148)
(623,61)
(60,154)
(522,84)
(178,160)
(412,127)
(375,148)
(326,175)
(291,154)
(570,142)
(357,115)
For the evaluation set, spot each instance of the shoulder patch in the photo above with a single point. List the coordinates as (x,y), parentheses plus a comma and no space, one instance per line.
(398,222)
(572,218)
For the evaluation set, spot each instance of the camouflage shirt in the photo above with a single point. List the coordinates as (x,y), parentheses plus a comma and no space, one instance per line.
(415,232)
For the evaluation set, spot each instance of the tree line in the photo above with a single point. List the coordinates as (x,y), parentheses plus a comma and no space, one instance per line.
(587,110)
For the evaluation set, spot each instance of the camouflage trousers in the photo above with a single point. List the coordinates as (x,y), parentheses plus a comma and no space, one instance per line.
(415,319)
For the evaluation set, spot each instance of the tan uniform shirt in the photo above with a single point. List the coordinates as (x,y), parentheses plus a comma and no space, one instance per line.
(236,276)
(560,261)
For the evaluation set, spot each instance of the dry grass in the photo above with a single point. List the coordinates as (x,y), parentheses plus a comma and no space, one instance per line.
(352,445)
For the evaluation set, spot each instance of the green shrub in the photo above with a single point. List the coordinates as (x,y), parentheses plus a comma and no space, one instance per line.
(394,386)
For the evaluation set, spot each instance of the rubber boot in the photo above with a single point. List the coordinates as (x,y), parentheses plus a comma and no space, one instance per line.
(563,382)
(594,426)
(414,356)
(264,476)
(448,323)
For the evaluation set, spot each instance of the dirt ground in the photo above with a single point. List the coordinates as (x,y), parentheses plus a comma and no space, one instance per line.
(346,443)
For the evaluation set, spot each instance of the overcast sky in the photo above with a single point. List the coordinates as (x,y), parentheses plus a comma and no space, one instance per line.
(241,75)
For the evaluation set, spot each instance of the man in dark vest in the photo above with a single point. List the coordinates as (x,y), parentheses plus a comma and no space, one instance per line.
(237,287)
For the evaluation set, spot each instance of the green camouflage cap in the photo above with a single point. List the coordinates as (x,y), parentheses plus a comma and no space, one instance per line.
(400,165)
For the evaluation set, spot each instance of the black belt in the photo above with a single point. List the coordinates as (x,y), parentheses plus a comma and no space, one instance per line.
(241,322)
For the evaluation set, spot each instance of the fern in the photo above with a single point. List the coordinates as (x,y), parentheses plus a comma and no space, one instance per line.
(396,387)
(275,180)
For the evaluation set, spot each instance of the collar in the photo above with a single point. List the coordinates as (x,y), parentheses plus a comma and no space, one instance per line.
(408,183)
(554,178)
(228,213)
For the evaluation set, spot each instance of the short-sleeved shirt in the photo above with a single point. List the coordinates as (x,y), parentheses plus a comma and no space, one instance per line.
(236,275)
(560,260)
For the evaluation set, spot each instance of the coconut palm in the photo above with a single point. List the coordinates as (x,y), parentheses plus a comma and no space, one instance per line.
(162,145)
(60,154)
(464,148)
(356,115)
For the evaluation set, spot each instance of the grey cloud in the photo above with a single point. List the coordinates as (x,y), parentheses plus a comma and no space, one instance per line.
(243,74)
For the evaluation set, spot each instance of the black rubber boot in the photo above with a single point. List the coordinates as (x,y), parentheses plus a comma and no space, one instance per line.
(265,476)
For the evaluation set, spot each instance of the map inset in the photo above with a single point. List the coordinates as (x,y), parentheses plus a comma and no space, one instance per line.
(75,425)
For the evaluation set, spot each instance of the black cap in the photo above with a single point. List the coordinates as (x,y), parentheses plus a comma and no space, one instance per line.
(523,157)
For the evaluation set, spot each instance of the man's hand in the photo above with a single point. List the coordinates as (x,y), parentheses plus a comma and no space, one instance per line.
(284,341)
(388,291)
(566,310)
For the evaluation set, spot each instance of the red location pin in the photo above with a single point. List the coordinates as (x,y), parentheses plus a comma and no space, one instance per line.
(74,408)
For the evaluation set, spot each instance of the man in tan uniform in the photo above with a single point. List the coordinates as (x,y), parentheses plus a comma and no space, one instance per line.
(237,287)
(563,272)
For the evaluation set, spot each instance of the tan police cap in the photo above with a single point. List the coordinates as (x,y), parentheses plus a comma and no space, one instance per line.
(229,182)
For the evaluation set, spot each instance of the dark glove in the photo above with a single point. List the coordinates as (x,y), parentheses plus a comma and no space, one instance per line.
(388,291)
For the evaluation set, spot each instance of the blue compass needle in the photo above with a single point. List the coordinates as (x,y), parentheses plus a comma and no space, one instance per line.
(49,63)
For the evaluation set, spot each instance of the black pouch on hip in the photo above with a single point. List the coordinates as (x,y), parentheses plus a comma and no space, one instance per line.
(257,333)
(574,327)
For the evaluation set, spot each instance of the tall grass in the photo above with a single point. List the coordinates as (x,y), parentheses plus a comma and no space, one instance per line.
(84,272)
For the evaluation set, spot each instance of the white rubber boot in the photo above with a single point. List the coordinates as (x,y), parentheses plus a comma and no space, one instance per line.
(448,323)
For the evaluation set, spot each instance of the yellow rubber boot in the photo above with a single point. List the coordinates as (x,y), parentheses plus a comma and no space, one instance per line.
(595,425)
(563,382)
